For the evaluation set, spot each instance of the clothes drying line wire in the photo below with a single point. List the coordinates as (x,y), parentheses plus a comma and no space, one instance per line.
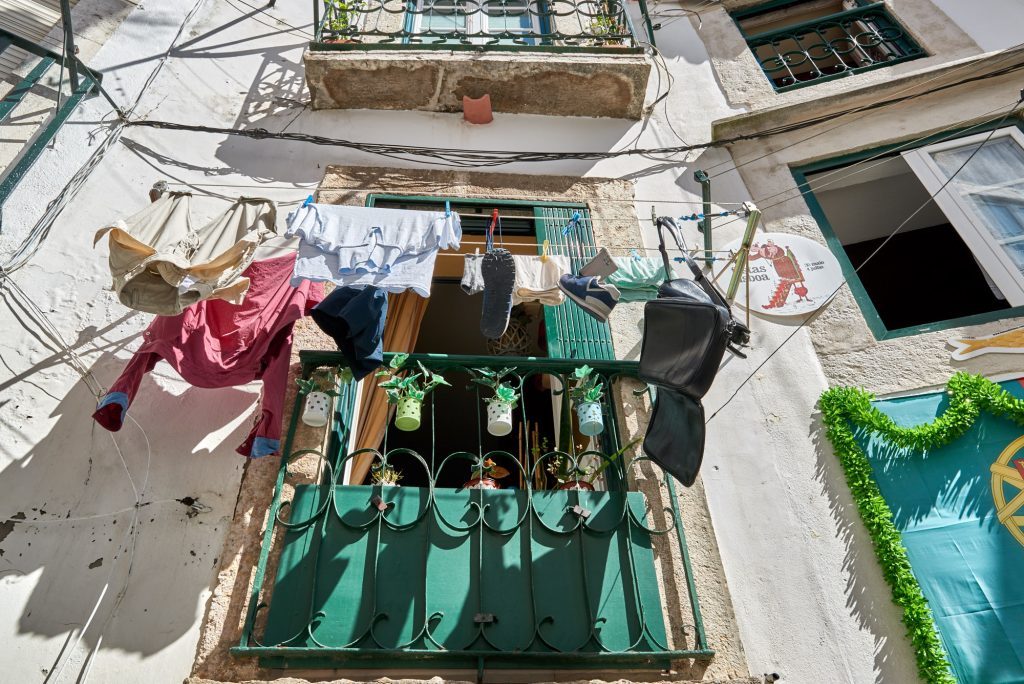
(809,319)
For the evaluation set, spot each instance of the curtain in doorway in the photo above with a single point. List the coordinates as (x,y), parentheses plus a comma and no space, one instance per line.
(405,314)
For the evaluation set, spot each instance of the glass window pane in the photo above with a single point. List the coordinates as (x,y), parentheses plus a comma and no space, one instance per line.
(992,184)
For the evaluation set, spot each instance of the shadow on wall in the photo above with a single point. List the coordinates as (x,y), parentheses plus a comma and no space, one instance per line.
(62,562)
(869,598)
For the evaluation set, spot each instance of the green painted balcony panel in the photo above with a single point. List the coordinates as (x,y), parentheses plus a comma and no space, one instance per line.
(428,577)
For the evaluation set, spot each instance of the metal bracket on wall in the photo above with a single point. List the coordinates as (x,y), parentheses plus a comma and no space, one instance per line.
(704,226)
(742,257)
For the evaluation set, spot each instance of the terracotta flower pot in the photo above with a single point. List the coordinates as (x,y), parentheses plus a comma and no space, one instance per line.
(577,485)
(482,483)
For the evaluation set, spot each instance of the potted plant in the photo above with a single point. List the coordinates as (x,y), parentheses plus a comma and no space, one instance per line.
(606,27)
(587,391)
(343,19)
(409,391)
(501,403)
(486,475)
(319,389)
(385,475)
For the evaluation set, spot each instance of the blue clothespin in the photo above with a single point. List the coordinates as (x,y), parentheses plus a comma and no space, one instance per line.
(574,222)
(632,253)
(309,200)
(447,208)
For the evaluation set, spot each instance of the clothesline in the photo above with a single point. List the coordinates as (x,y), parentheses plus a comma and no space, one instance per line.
(460,194)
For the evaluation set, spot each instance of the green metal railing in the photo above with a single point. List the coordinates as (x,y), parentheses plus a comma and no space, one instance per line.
(81,80)
(602,26)
(532,574)
(839,44)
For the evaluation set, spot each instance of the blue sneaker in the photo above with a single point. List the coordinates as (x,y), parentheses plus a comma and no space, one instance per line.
(596,298)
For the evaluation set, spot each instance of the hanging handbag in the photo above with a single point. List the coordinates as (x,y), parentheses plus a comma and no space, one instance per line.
(687,331)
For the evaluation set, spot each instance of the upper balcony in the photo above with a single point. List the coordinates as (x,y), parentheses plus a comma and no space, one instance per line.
(556,57)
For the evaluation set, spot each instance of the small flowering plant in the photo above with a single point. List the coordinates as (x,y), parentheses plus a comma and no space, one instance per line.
(325,380)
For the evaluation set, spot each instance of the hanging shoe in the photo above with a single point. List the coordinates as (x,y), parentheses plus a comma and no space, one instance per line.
(596,298)
(499,272)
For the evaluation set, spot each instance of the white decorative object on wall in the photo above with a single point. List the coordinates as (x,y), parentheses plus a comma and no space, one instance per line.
(789,275)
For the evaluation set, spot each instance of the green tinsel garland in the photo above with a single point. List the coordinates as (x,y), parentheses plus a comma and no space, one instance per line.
(842,407)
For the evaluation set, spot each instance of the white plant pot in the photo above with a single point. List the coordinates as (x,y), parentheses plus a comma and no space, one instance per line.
(318,409)
(591,420)
(499,418)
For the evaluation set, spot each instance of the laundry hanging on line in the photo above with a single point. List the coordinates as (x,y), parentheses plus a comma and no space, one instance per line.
(160,264)
(637,278)
(354,319)
(536,278)
(390,249)
(216,344)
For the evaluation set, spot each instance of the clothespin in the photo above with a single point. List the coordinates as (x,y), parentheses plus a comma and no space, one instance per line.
(309,200)
(544,251)
(633,253)
(447,208)
(574,222)
(490,230)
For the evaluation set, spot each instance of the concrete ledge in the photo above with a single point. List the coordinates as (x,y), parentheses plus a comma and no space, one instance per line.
(521,83)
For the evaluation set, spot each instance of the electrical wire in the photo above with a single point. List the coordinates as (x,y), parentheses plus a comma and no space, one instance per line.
(807,321)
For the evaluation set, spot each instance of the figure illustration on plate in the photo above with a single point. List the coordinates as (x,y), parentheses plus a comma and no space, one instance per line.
(787,268)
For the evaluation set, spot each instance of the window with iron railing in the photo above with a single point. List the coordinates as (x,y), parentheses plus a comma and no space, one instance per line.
(545,25)
(802,42)
(566,564)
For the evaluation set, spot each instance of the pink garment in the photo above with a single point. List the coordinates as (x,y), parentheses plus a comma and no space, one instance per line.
(215,344)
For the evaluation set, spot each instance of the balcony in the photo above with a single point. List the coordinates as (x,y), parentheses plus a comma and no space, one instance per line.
(567,563)
(558,57)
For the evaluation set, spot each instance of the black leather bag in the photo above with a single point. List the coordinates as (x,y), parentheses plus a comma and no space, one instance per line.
(687,330)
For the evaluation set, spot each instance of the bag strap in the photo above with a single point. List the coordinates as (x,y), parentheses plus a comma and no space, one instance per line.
(664,223)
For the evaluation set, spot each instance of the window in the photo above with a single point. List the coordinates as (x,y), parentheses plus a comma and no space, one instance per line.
(801,42)
(502,22)
(958,261)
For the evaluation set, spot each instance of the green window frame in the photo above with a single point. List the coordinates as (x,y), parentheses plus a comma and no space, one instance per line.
(852,41)
(572,333)
(860,293)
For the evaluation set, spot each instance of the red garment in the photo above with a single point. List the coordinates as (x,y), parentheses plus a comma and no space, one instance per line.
(215,344)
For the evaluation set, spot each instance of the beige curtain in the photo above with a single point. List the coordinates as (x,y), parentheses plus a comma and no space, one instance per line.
(405,313)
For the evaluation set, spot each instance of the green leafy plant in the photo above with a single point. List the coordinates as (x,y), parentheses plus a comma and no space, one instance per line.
(503,391)
(606,25)
(846,408)
(325,380)
(384,474)
(586,386)
(416,386)
(343,15)
(561,468)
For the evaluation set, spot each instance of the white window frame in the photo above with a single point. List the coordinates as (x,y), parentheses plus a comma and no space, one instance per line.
(476,22)
(965,219)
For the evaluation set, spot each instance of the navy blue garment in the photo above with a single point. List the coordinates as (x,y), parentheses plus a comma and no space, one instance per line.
(354,318)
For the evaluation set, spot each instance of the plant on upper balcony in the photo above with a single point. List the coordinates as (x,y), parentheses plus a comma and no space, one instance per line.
(501,403)
(486,474)
(606,25)
(343,19)
(408,391)
(582,477)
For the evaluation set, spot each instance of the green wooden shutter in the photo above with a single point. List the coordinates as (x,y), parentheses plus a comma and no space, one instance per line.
(572,332)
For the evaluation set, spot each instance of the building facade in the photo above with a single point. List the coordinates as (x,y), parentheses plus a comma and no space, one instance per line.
(886,136)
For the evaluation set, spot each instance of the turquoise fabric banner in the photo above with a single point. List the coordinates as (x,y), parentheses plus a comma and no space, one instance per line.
(960,510)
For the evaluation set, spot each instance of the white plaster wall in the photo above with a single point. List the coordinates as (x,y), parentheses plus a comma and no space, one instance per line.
(810,601)
(992,24)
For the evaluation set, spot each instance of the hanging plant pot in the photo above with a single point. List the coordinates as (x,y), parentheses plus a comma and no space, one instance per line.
(386,483)
(407,416)
(317,411)
(499,418)
(591,420)
(577,485)
(482,483)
